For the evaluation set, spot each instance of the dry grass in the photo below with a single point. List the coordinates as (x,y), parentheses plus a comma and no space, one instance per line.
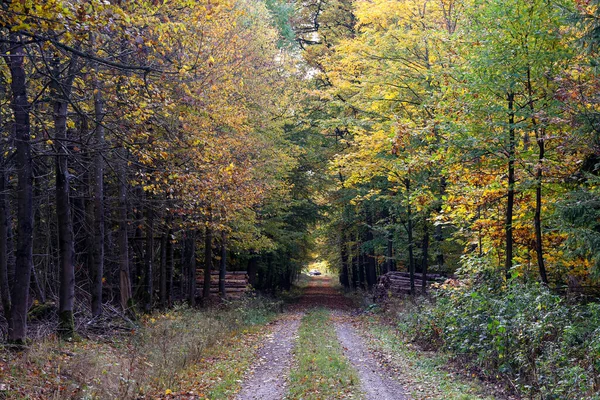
(147,360)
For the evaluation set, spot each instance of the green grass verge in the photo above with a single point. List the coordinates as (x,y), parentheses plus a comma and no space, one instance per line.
(321,371)
(424,374)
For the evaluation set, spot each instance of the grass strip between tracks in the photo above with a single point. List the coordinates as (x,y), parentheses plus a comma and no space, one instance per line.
(320,370)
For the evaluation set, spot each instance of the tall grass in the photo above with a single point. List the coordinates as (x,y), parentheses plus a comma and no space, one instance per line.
(144,361)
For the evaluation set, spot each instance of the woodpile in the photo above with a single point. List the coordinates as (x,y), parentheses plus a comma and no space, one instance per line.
(397,284)
(236,282)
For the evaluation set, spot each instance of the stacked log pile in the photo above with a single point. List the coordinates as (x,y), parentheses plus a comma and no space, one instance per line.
(397,284)
(236,283)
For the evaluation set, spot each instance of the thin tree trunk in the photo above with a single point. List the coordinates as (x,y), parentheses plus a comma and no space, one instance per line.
(185,261)
(411,256)
(386,266)
(511,186)
(391,266)
(163,268)
(537,218)
(4,237)
(98,259)
(439,233)
(538,212)
(207,261)
(252,269)
(4,223)
(61,90)
(371,271)
(124,274)
(344,277)
(170,266)
(361,269)
(24,257)
(223,265)
(355,267)
(36,285)
(425,251)
(148,260)
(192,268)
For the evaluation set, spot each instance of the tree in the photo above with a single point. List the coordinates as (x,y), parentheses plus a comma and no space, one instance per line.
(14,55)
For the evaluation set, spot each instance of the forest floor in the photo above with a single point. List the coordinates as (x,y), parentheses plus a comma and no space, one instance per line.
(341,352)
(321,347)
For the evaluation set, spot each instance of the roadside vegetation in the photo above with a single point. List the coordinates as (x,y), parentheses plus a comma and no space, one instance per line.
(203,352)
(529,340)
(424,374)
(539,343)
(321,371)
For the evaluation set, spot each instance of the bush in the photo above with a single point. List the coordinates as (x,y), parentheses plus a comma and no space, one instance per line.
(543,344)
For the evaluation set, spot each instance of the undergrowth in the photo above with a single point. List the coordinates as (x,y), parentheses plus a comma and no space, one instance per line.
(542,345)
(145,361)
(424,374)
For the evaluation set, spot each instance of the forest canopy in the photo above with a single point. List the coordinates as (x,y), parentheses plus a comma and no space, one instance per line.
(145,142)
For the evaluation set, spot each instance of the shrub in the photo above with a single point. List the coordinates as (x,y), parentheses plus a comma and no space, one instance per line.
(545,345)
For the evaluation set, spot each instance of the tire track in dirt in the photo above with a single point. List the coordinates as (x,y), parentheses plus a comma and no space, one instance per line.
(268,378)
(375,381)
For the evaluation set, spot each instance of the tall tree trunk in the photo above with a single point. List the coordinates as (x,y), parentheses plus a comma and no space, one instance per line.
(61,90)
(162,281)
(4,238)
(124,274)
(355,267)
(4,221)
(170,266)
(425,251)
(98,259)
(207,261)
(138,259)
(361,269)
(223,265)
(510,201)
(371,268)
(185,263)
(344,276)
(537,218)
(252,269)
(409,230)
(149,260)
(192,268)
(538,211)
(24,257)
(439,233)
(390,264)
(36,285)
(43,238)
(386,266)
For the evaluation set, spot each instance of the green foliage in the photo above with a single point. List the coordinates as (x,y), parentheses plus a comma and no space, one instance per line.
(579,214)
(282,11)
(424,374)
(287,219)
(534,337)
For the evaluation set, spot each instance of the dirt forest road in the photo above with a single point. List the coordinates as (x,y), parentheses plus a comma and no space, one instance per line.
(268,380)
